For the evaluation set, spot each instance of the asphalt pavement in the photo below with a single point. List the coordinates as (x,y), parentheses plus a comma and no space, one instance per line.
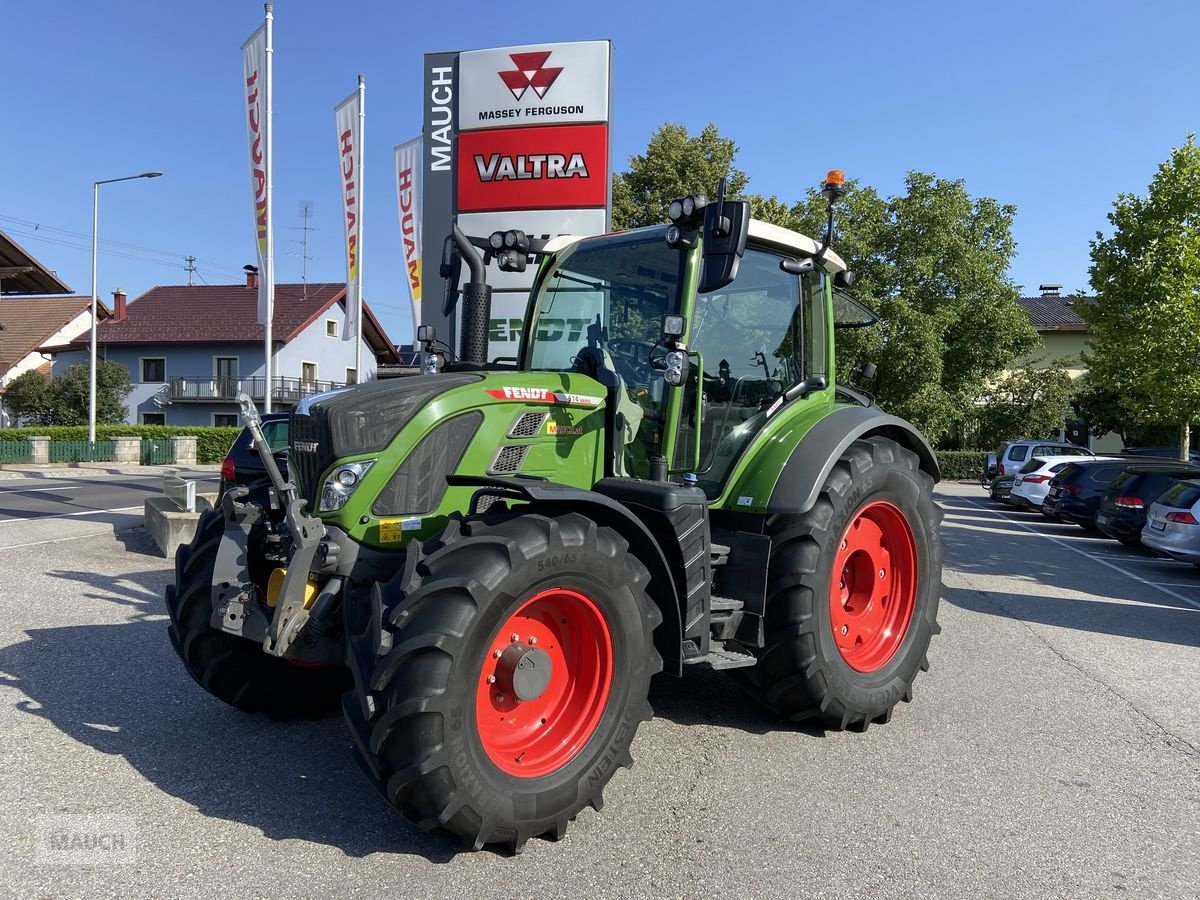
(1050,751)
(57,503)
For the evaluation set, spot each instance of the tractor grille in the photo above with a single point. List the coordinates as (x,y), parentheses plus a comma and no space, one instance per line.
(419,484)
(311,452)
(508,459)
(527,424)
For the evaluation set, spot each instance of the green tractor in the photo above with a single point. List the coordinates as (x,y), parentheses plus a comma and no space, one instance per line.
(485,566)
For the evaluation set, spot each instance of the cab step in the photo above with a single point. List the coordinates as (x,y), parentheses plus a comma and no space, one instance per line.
(721,655)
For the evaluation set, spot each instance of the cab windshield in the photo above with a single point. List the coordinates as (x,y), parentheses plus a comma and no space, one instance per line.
(599,311)
(606,293)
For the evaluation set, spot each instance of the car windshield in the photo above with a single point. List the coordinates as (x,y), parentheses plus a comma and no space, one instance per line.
(1051,450)
(1183,495)
(276,434)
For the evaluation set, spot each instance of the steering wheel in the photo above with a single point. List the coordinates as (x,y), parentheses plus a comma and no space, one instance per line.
(632,358)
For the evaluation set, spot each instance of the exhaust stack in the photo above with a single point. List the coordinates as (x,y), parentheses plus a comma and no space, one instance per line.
(477,303)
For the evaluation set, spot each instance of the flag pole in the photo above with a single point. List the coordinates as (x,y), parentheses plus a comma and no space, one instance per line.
(362,123)
(268,344)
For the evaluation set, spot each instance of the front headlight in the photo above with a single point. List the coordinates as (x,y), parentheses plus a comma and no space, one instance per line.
(341,483)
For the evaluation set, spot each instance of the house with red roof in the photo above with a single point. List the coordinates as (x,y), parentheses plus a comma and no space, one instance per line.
(27,323)
(191,349)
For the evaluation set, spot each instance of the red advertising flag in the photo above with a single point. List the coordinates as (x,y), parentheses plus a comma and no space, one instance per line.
(552,167)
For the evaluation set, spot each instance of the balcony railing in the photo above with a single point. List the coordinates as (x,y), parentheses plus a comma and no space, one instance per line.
(202,389)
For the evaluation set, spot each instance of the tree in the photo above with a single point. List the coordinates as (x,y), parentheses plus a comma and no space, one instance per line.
(1144,342)
(931,261)
(27,396)
(1025,403)
(70,394)
(674,165)
(63,400)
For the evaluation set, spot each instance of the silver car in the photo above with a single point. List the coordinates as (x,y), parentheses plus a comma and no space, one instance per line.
(1173,523)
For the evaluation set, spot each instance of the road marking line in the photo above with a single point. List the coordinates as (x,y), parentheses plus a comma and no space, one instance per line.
(1188,600)
(86,512)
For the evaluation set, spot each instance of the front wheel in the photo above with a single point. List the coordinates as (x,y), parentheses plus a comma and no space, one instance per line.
(500,677)
(853,591)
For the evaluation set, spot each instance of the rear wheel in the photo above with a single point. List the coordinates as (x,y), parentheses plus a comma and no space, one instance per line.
(500,677)
(853,590)
(233,669)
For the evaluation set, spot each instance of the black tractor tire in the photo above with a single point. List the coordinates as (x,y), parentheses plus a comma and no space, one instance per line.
(422,718)
(802,673)
(233,669)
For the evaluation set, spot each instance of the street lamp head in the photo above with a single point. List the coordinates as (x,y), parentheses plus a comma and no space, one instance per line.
(150,174)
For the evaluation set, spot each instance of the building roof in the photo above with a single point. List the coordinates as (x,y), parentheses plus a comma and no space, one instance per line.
(31,321)
(20,273)
(1053,312)
(227,314)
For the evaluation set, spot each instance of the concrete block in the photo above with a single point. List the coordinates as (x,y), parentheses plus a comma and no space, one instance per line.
(127,450)
(185,450)
(40,448)
(168,525)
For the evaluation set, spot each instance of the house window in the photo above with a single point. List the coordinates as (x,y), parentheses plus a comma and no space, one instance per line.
(154,418)
(225,420)
(308,375)
(352,376)
(331,327)
(154,370)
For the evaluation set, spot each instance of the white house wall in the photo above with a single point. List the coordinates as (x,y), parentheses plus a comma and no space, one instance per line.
(35,360)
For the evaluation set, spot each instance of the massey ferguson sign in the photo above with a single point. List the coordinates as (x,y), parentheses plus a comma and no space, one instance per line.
(529,127)
(536,85)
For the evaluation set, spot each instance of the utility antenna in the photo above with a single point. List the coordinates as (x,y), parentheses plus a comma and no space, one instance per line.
(190,267)
(306,211)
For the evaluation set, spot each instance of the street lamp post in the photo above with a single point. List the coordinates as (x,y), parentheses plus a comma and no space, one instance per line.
(92,351)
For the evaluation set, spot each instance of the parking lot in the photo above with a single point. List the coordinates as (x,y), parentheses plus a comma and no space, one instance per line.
(1052,750)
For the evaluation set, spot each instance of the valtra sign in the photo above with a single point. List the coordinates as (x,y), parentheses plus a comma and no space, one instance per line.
(562,167)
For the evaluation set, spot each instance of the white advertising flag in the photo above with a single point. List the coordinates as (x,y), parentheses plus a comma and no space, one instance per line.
(258,124)
(408,199)
(348,117)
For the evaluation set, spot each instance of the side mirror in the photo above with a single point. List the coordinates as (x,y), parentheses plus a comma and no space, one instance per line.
(726,226)
(991,465)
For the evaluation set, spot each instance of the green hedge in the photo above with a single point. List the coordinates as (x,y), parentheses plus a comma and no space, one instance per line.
(961,464)
(211,443)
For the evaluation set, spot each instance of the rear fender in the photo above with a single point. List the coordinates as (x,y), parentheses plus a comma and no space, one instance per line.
(817,453)
(611,514)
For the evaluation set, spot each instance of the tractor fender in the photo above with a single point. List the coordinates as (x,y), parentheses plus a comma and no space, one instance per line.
(823,445)
(668,637)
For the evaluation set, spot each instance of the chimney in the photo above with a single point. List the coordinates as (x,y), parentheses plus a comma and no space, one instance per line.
(1050,290)
(118,305)
(251,276)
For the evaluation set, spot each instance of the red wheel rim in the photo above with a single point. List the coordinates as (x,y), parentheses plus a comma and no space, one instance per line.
(541,734)
(874,586)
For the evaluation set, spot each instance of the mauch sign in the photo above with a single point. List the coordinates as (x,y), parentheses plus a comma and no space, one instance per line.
(515,137)
(540,84)
(559,167)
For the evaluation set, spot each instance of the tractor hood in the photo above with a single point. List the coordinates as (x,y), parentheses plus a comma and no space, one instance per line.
(362,419)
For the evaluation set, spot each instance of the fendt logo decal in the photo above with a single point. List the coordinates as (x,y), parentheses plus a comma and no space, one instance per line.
(542,395)
(530,72)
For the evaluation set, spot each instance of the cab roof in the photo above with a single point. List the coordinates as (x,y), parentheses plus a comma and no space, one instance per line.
(760,233)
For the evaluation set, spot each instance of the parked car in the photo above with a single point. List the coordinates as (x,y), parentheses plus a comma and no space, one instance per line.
(1076,491)
(1122,511)
(1014,454)
(1167,452)
(243,465)
(1033,480)
(1173,523)
(1001,487)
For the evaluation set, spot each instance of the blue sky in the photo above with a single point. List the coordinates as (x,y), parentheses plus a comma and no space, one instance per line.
(1054,107)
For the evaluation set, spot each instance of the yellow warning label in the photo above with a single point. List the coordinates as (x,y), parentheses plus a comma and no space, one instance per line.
(391,531)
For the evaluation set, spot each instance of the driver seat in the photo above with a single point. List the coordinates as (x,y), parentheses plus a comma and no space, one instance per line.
(623,416)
